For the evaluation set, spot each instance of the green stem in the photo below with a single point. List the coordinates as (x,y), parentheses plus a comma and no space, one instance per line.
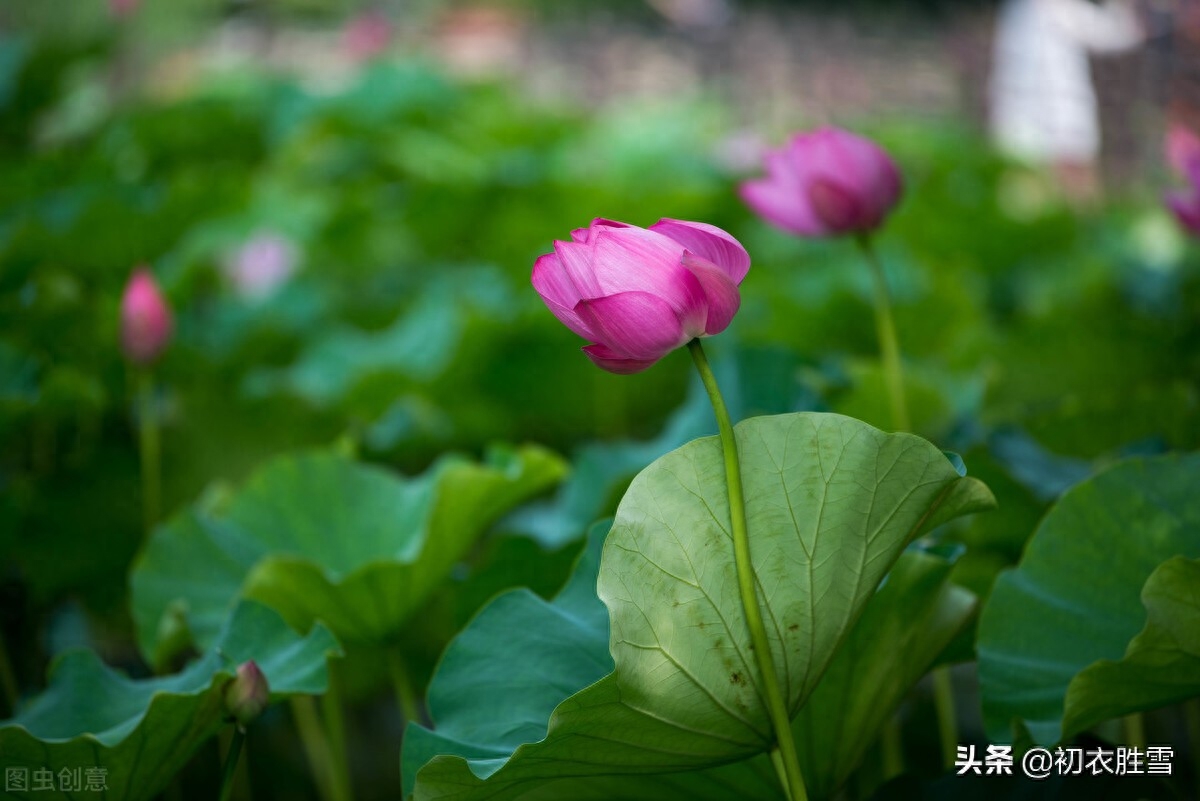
(1135,730)
(780,771)
(776,707)
(402,685)
(231,761)
(891,744)
(335,728)
(889,345)
(316,747)
(149,445)
(947,716)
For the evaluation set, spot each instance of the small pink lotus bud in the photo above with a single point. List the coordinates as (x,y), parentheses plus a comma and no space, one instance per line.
(639,293)
(247,694)
(825,183)
(145,319)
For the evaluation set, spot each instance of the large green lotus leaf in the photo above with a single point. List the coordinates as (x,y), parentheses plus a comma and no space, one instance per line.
(830,502)
(140,733)
(319,536)
(1161,665)
(1075,597)
(909,622)
(509,672)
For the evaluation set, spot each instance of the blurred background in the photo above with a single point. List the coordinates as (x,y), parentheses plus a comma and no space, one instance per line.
(342,202)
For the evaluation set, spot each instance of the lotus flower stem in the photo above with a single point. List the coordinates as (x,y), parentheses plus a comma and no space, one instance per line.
(947,717)
(402,686)
(1135,731)
(776,705)
(150,451)
(891,744)
(889,346)
(231,761)
(781,772)
(335,729)
(316,747)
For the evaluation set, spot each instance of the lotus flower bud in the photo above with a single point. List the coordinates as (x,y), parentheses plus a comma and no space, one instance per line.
(639,293)
(825,183)
(247,694)
(145,319)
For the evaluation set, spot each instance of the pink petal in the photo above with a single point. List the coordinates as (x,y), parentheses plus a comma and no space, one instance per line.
(608,359)
(1186,208)
(1183,148)
(723,298)
(862,168)
(708,242)
(782,205)
(577,265)
(634,325)
(552,282)
(837,209)
(586,235)
(637,260)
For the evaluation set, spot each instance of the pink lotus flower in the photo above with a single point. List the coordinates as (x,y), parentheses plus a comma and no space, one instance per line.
(825,183)
(367,35)
(1182,147)
(639,293)
(145,319)
(1183,153)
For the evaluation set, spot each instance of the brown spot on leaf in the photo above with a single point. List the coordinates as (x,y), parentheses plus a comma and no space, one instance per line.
(736,678)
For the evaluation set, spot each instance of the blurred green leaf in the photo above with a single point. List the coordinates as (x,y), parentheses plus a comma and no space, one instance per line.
(140,732)
(1161,665)
(320,537)
(1074,599)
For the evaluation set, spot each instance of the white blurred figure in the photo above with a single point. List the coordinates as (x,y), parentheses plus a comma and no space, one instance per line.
(1043,103)
(261,265)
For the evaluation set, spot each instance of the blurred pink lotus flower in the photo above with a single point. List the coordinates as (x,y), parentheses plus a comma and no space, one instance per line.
(247,694)
(261,265)
(1183,148)
(1183,153)
(367,35)
(825,183)
(145,319)
(639,293)
(123,8)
